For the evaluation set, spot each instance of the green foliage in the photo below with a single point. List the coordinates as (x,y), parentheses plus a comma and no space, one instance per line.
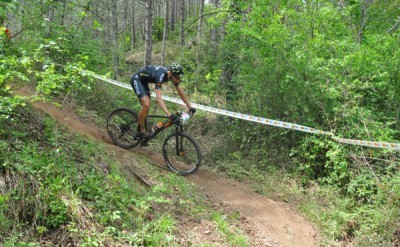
(213,86)
(7,5)
(67,185)
(235,238)
(328,65)
(315,69)
(158,29)
(52,82)
(4,40)
(5,222)
(8,104)
(9,70)
(323,160)
(52,79)
(371,224)
(48,194)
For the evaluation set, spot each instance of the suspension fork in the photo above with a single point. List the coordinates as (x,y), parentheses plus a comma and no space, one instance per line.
(178,141)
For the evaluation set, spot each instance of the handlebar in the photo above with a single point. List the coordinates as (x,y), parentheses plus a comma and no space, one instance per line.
(181,117)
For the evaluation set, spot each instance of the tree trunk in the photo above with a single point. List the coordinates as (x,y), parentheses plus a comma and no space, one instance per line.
(165,34)
(173,15)
(125,20)
(114,34)
(133,30)
(148,32)
(63,12)
(182,22)
(159,12)
(363,19)
(50,16)
(200,20)
(214,31)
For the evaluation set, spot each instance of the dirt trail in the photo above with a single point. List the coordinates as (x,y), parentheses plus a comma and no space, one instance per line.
(266,222)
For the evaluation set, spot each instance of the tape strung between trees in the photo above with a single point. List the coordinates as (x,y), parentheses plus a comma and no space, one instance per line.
(271,122)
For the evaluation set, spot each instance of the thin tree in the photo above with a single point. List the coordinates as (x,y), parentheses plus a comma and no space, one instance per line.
(114,34)
(182,21)
(364,17)
(148,32)
(125,18)
(200,20)
(173,8)
(133,30)
(214,31)
(165,34)
(50,17)
(64,7)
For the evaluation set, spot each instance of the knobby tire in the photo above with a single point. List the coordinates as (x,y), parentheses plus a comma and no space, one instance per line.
(184,158)
(121,127)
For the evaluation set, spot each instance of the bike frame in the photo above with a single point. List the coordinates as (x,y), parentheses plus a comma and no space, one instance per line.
(168,124)
(183,160)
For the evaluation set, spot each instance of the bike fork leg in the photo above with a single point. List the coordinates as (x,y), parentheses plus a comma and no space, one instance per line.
(179,145)
(177,142)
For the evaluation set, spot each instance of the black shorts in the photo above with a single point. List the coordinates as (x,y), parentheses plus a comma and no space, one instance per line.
(138,87)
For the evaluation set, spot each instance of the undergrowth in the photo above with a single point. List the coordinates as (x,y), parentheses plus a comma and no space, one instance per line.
(362,211)
(350,195)
(355,204)
(58,188)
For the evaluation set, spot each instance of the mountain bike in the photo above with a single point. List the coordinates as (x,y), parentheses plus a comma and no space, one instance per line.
(180,151)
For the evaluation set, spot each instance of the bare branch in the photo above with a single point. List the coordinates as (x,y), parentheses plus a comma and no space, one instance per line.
(33,21)
(207,14)
(88,9)
(394,27)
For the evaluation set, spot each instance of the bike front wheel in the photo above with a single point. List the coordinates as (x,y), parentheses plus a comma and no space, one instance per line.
(182,153)
(121,125)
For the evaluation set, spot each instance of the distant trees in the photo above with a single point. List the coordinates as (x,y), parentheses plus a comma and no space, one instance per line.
(199,27)
(165,31)
(121,25)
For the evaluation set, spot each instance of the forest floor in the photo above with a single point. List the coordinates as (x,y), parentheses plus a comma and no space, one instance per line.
(265,222)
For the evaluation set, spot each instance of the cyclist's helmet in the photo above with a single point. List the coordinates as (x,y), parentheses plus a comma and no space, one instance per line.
(176,69)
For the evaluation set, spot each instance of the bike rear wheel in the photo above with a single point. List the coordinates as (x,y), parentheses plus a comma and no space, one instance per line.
(121,127)
(182,153)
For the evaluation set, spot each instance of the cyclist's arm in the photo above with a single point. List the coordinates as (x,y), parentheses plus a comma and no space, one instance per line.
(160,101)
(183,96)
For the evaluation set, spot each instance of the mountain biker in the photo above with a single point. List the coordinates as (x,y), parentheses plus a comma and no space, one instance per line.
(158,75)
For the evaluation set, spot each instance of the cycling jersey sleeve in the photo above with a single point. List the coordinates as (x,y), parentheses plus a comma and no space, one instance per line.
(161,78)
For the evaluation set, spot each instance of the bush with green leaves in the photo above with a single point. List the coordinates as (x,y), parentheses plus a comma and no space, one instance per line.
(10,70)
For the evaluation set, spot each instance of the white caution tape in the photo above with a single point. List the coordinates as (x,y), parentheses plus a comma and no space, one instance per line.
(250,118)
(373,144)
(111,81)
(276,123)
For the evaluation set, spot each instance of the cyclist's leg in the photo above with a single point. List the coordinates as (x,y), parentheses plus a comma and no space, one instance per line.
(143,93)
(145,102)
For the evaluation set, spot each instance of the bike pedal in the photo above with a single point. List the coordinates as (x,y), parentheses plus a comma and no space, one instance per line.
(144,144)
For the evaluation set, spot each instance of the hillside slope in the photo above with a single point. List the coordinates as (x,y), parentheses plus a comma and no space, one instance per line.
(266,222)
